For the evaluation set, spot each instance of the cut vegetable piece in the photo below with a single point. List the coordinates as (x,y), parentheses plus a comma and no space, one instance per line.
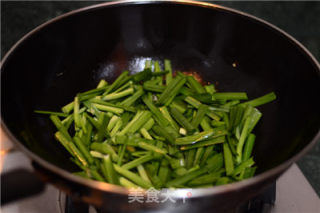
(110,173)
(123,78)
(125,86)
(171,90)
(138,161)
(166,114)
(196,104)
(135,125)
(68,108)
(112,122)
(206,98)
(121,154)
(56,121)
(95,92)
(222,181)
(127,183)
(118,95)
(179,105)
(228,160)
(102,84)
(60,114)
(182,120)
(195,85)
(95,175)
(245,164)
(116,128)
(149,86)
(230,96)
(143,174)
(164,133)
(190,158)
(164,171)
(158,115)
(261,100)
(76,113)
(206,154)
(109,109)
(206,179)
(198,156)
(187,177)
(215,123)
(192,101)
(204,143)
(133,177)
(254,118)
(157,69)
(83,149)
(133,98)
(145,75)
(137,120)
(145,134)
(71,148)
(200,136)
(105,148)
(167,67)
(102,131)
(242,139)
(202,110)
(150,147)
(205,124)
(249,172)
(210,89)
(68,121)
(215,162)
(248,147)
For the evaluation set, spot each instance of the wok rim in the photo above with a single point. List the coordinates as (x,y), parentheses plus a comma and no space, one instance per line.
(177,193)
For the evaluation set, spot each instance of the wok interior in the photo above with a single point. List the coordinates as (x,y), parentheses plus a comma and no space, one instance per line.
(234,52)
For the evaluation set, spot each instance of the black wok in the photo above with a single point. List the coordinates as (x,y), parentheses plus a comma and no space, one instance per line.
(238,52)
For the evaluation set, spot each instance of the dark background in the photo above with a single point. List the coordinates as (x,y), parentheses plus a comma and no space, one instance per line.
(299,19)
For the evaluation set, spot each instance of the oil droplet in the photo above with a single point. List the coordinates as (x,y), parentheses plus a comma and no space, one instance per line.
(235,64)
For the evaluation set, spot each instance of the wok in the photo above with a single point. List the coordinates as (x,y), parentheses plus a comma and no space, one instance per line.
(237,51)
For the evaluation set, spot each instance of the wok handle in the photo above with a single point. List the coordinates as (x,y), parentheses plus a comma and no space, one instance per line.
(19,183)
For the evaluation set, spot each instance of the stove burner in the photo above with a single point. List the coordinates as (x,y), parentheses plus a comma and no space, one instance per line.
(75,206)
(262,203)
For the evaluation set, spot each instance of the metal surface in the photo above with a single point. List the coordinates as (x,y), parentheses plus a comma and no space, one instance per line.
(99,193)
(293,194)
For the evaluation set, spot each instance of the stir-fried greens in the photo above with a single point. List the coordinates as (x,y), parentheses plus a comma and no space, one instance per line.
(160,129)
